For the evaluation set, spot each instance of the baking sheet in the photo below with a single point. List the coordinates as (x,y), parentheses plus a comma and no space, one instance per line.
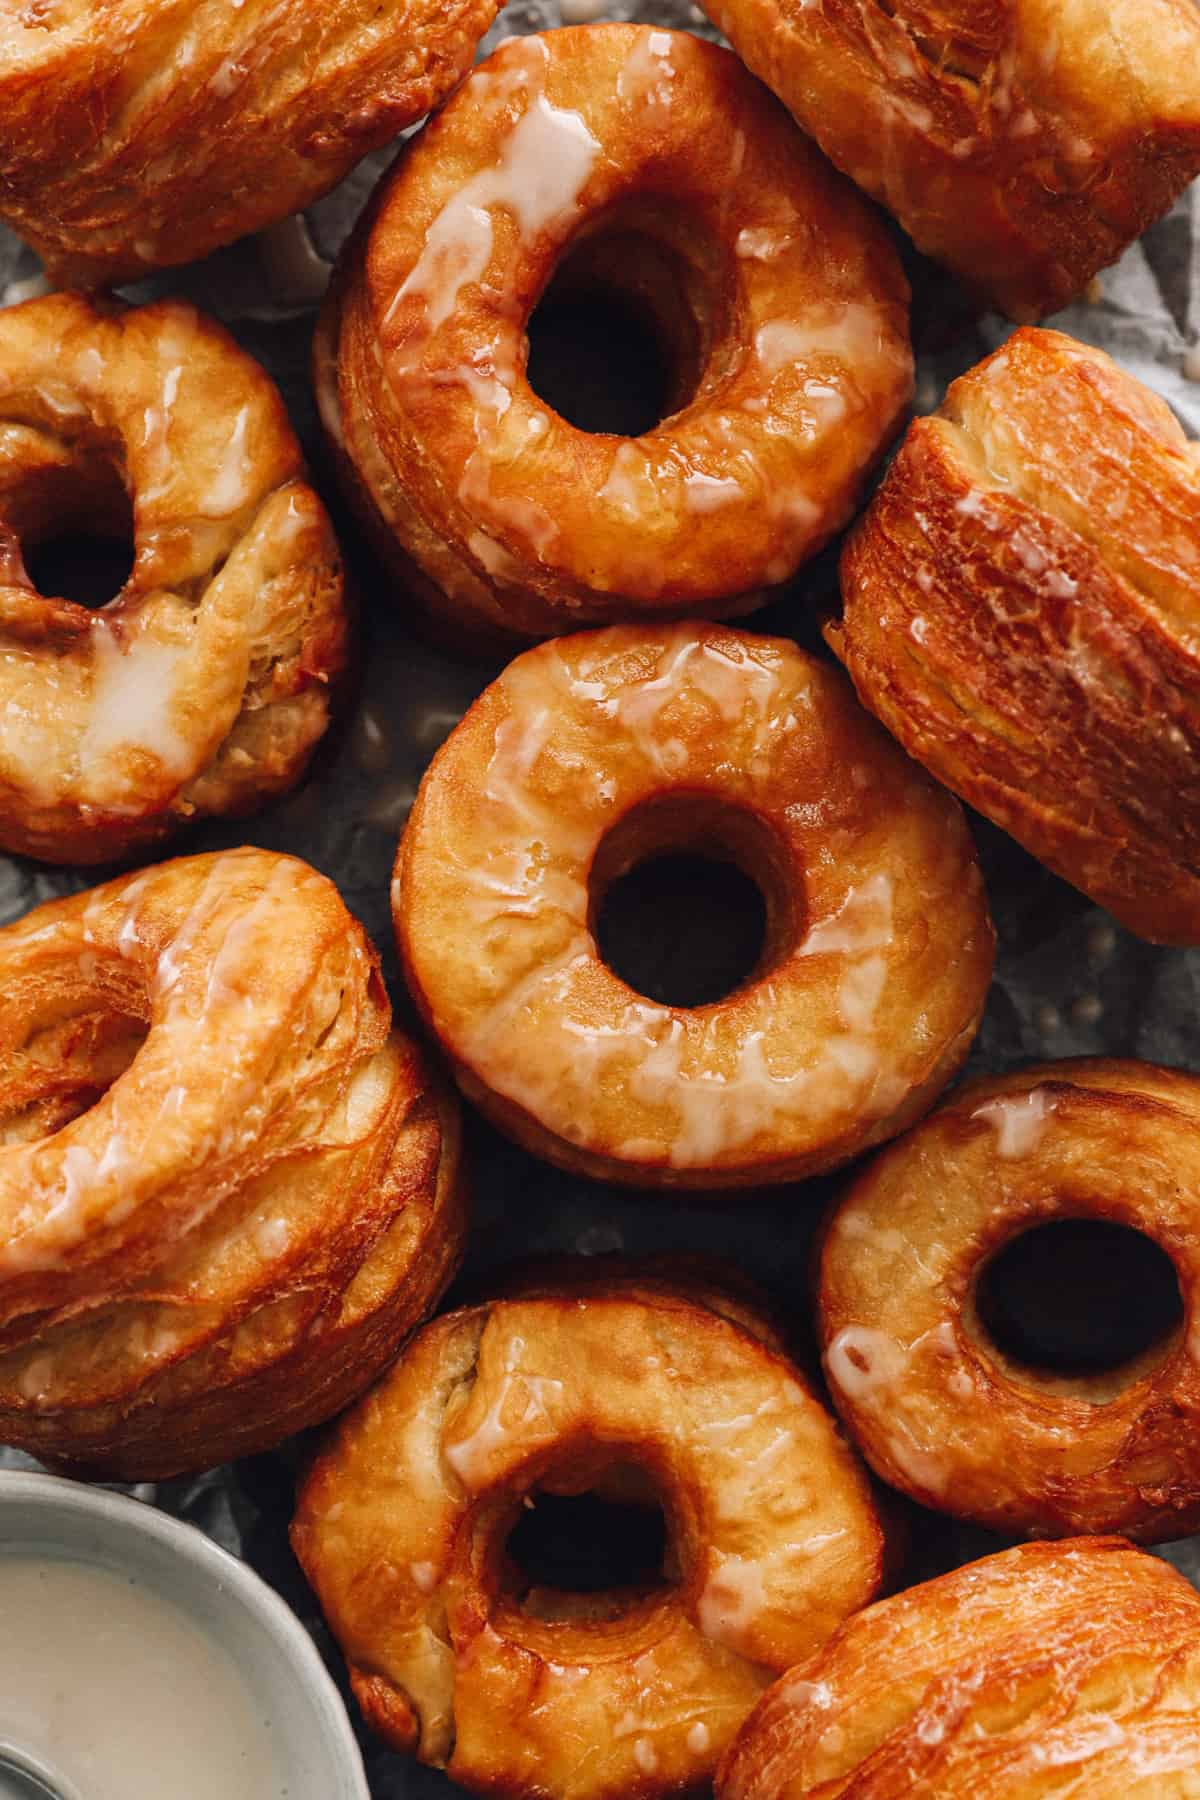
(1068,982)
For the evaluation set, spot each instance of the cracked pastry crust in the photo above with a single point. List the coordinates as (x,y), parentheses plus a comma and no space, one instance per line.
(136,134)
(1045,1671)
(595,752)
(1020,610)
(227,1189)
(932,1401)
(204,686)
(1023,143)
(613,1376)
(648,166)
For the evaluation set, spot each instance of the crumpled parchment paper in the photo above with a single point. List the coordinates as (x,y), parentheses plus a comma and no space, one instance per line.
(1069,982)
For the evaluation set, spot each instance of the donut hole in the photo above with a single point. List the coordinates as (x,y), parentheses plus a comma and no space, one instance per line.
(75,528)
(623,330)
(688,901)
(81,566)
(589,1556)
(1080,1300)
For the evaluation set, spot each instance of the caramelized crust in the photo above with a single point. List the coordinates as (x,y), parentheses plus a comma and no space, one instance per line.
(645,164)
(227,1190)
(591,754)
(205,685)
(1049,1670)
(934,1403)
(402,1523)
(1023,143)
(1021,612)
(140,133)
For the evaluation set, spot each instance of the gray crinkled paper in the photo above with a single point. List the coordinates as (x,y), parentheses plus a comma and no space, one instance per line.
(1068,982)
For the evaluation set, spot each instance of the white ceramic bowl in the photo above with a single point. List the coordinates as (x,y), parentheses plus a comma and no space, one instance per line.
(42,1515)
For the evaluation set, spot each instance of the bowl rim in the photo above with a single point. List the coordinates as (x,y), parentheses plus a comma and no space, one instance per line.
(234,1580)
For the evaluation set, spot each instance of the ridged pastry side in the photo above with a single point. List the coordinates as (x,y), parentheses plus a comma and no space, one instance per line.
(1024,144)
(231,1189)
(137,134)
(1020,610)
(1049,1670)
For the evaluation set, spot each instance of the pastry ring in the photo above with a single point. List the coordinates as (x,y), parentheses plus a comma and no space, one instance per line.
(227,1191)
(590,755)
(1051,1669)
(136,134)
(937,1406)
(1025,147)
(648,166)
(403,1521)
(1019,611)
(203,688)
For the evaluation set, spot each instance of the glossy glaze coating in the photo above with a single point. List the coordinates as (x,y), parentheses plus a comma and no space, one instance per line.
(515,1690)
(227,1190)
(1021,612)
(1023,143)
(674,178)
(1049,1670)
(594,752)
(937,1408)
(135,134)
(205,685)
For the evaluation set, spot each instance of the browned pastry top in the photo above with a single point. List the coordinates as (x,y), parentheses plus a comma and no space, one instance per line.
(140,133)
(1022,612)
(942,1409)
(594,752)
(647,165)
(1048,1671)
(204,686)
(1024,143)
(632,1384)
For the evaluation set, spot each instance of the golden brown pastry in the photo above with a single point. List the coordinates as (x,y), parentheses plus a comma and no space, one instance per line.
(936,1404)
(205,685)
(227,1189)
(649,166)
(1020,609)
(613,1382)
(1024,143)
(1049,1672)
(140,133)
(590,755)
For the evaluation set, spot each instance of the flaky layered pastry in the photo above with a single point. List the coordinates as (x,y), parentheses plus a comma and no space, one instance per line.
(590,755)
(227,1189)
(1024,143)
(1020,609)
(1049,1670)
(578,1383)
(646,165)
(140,133)
(937,1406)
(205,685)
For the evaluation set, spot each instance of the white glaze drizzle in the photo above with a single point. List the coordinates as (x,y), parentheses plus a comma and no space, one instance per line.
(1019,1121)
(872,1371)
(544,165)
(521,1409)
(133,700)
